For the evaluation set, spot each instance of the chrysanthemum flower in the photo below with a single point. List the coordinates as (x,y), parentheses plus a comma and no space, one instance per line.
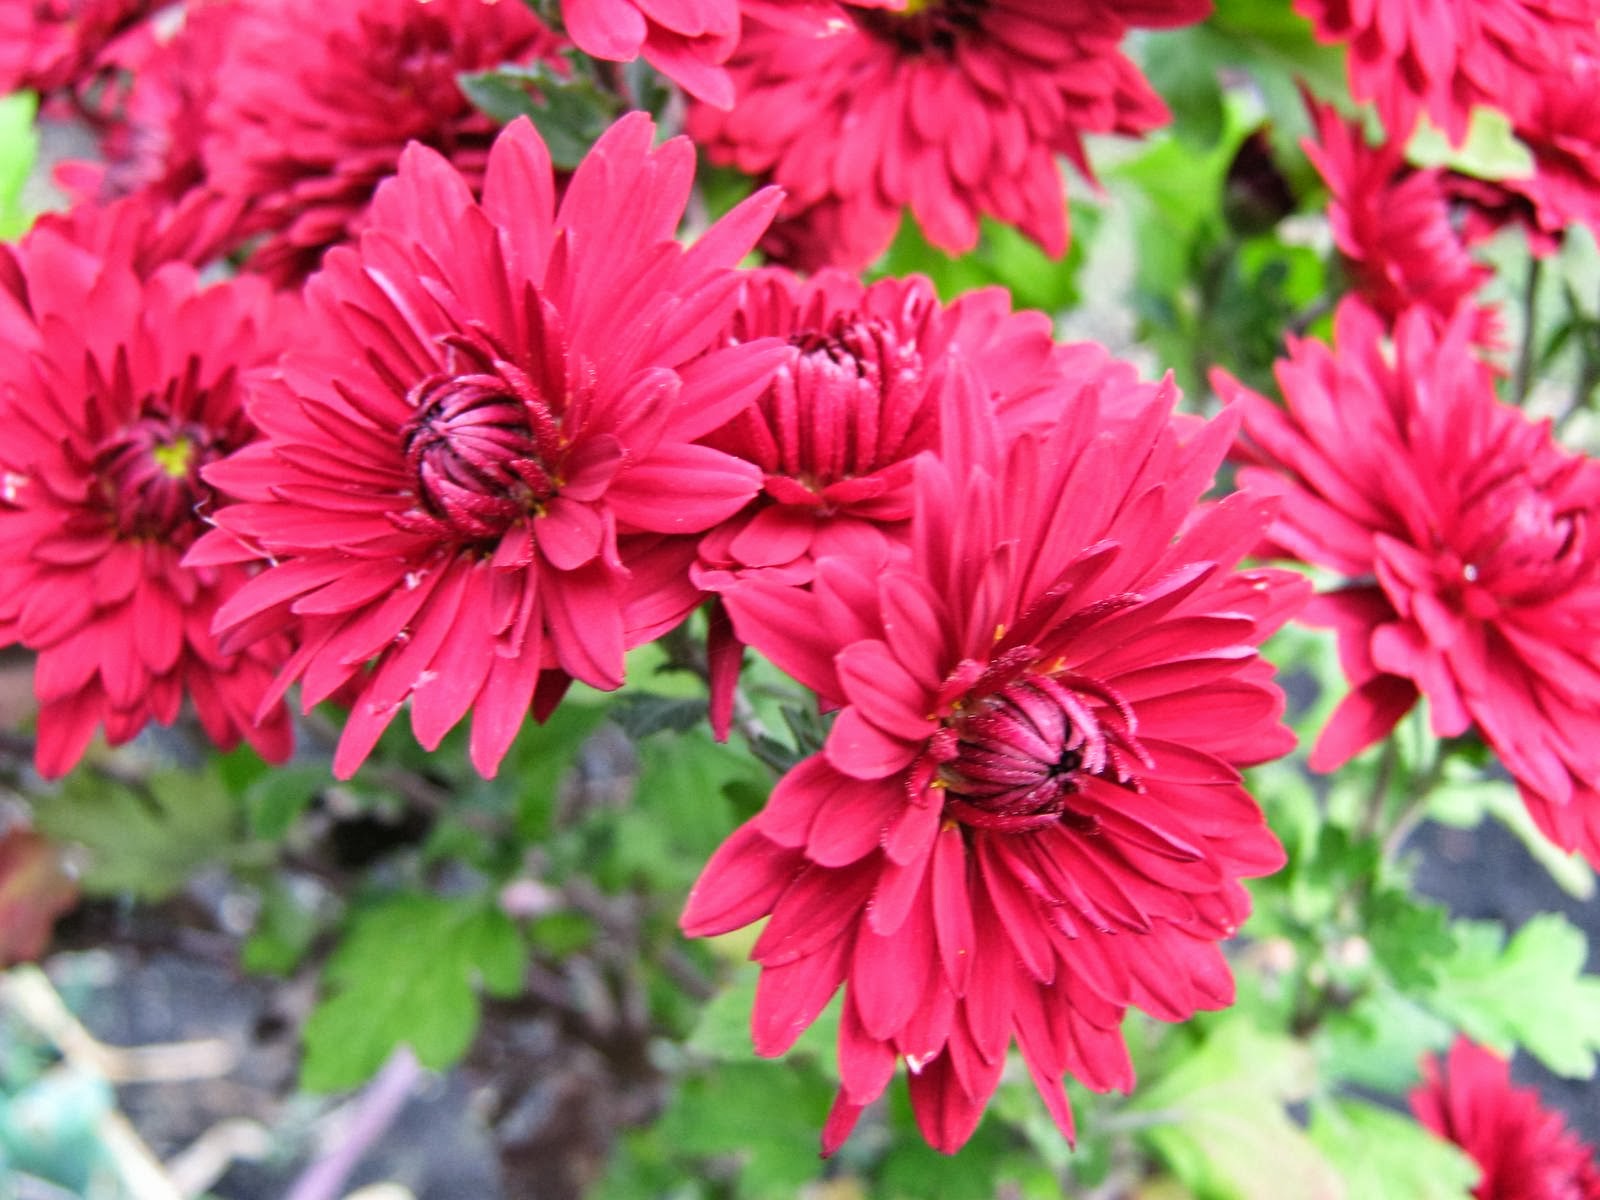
(686,40)
(855,399)
(954,108)
(1524,1150)
(1442,57)
(115,391)
(475,462)
(1465,532)
(1026,817)
(55,45)
(1393,225)
(321,98)
(1555,119)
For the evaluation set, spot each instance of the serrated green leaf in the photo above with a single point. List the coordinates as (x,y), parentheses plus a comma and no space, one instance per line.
(753,1112)
(1491,150)
(1384,1156)
(407,973)
(1378,1042)
(569,110)
(1532,993)
(1408,937)
(1221,1114)
(146,845)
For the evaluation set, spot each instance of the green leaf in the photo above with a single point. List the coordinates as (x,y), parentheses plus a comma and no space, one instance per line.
(275,800)
(1532,993)
(1409,937)
(1378,1042)
(539,761)
(1005,257)
(19,144)
(144,843)
(569,109)
(752,1112)
(1220,1115)
(1491,150)
(1384,1156)
(407,973)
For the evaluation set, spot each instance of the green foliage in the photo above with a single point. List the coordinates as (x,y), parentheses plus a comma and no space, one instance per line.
(1491,150)
(1219,1114)
(567,107)
(1005,257)
(408,972)
(1530,992)
(19,144)
(1384,1156)
(285,928)
(146,838)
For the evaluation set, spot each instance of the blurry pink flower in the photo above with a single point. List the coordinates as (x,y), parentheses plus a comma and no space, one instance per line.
(1465,533)
(1524,1150)
(954,108)
(321,98)
(118,388)
(478,464)
(1442,57)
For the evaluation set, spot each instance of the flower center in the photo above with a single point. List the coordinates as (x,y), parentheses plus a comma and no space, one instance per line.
(149,477)
(482,448)
(1015,758)
(849,402)
(923,25)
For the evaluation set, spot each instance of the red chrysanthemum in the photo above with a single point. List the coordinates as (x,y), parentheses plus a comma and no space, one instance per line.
(1466,533)
(56,45)
(1524,1150)
(473,459)
(321,98)
(1393,225)
(952,107)
(1442,57)
(116,390)
(1026,817)
(855,399)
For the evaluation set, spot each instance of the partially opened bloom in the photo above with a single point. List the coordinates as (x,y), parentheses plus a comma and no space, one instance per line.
(478,463)
(686,40)
(116,390)
(1442,57)
(854,400)
(321,98)
(1465,534)
(56,45)
(1026,817)
(1393,224)
(953,108)
(1524,1150)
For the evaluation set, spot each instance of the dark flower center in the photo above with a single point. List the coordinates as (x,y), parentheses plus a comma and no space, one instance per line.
(923,26)
(1015,758)
(481,448)
(149,477)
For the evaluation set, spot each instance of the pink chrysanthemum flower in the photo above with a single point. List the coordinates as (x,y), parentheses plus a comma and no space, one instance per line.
(1393,225)
(855,399)
(56,45)
(1524,1150)
(1465,531)
(954,108)
(1555,119)
(474,459)
(116,390)
(1026,817)
(1442,57)
(321,98)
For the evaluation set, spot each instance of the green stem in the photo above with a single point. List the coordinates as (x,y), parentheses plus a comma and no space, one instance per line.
(1523,379)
